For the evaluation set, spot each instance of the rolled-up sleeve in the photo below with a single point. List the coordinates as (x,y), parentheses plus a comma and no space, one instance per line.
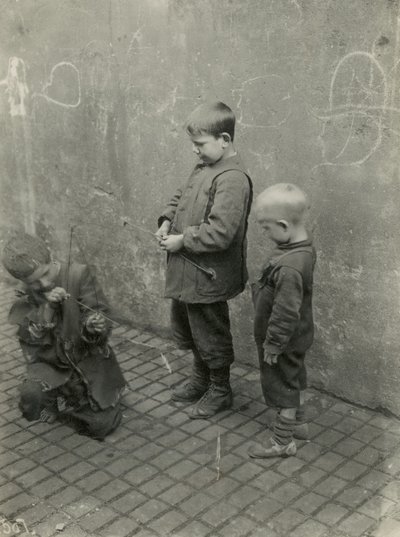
(226,216)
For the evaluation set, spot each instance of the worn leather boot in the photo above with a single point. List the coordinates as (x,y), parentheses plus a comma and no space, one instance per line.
(218,397)
(198,384)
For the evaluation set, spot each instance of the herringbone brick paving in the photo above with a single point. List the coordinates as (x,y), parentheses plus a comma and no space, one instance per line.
(157,475)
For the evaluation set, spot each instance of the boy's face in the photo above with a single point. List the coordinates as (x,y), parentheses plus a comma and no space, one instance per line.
(276,230)
(208,148)
(43,279)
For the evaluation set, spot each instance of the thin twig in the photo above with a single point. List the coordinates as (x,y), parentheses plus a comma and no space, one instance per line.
(94,311)
(218,456)
(164,359)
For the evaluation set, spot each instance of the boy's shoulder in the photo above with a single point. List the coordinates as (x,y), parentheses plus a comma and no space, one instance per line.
(231,166)
(302,259)
(230,171)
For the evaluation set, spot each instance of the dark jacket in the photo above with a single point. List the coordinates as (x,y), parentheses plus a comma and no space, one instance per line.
(211,212)
(283,299)
(57,353)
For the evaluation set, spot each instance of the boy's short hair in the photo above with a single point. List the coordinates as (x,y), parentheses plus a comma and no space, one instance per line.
(287,200)
(211,118)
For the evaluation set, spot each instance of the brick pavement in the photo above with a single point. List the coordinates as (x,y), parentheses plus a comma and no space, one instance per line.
(156,476)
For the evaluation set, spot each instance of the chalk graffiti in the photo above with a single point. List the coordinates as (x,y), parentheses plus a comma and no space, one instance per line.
(68,67)
(361,97)
(17,89)
(135,42)
(16,86)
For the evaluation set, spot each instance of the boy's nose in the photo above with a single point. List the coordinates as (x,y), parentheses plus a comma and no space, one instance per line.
(195,149)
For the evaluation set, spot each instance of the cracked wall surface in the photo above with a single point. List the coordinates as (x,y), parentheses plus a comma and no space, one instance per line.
(93,95)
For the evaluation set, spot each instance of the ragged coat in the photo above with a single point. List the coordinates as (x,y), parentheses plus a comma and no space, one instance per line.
(211,212)
(66,351)
(283,322)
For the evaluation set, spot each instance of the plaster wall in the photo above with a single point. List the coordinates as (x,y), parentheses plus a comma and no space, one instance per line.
(93,95)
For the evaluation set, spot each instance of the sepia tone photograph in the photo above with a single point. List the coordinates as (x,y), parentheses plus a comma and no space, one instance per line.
(199,268)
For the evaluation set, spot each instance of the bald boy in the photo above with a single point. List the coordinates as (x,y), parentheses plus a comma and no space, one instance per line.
(283,324)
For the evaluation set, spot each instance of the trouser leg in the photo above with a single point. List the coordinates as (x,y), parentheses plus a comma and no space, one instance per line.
(182,331)
(211,332)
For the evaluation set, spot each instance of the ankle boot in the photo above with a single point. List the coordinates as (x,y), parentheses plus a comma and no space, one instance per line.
(198,384)
(218,397)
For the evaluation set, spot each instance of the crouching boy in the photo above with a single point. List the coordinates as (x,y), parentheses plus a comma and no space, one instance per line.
(72,372)
(283,324)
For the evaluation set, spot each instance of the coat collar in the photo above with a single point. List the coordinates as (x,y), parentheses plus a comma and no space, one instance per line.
(232,162)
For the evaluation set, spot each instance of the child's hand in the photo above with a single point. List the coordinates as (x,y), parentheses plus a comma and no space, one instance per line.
(163,230)
(96,323)
(270,359)
(172,243)
(56,295)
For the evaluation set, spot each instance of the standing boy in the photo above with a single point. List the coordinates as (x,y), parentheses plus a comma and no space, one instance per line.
(206,221)
(72,372)
(283,325)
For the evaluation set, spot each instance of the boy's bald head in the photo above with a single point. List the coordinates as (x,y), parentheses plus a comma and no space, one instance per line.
(283,201)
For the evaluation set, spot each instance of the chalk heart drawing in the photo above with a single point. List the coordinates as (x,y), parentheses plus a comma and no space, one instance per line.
(63,87)
(353,124)
(263,102)
(15,86)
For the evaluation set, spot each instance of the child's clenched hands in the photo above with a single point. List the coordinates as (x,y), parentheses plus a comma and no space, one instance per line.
(163,230)
(172,243)
(56,295)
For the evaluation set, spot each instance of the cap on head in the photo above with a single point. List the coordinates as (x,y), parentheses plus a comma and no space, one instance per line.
(285,200)
(23,254)
(212,118)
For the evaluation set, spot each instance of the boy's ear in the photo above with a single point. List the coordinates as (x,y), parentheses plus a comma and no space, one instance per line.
(284,224)
(226,138)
